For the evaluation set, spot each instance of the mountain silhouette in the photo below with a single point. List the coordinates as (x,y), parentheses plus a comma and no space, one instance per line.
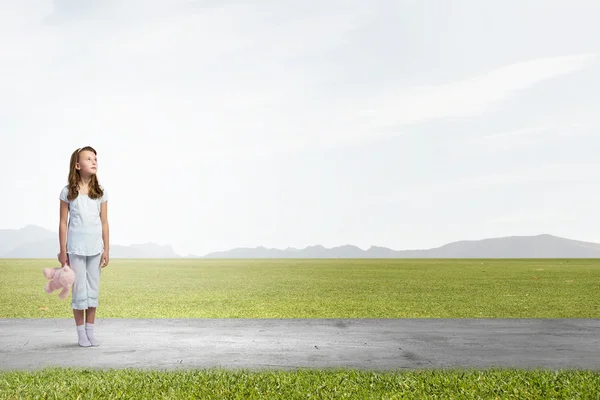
(538,246)
(36,242)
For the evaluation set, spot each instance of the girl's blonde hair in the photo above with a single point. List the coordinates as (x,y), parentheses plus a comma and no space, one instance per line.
(94,191)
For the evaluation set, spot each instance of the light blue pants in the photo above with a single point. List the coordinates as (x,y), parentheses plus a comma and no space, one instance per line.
(87,280)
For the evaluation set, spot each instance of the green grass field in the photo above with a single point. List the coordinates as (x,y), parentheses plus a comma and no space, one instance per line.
(311,384)
(361,288)
(201,288)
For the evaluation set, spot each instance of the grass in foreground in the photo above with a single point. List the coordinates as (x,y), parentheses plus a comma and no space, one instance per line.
(336,383)
(305,288)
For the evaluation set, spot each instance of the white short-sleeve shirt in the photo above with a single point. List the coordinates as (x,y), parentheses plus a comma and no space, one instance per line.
(84,233)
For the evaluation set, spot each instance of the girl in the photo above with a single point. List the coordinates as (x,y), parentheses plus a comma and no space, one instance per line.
(84,242)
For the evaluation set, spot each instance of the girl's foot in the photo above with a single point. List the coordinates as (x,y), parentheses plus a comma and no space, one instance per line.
(82,338)
(89,330)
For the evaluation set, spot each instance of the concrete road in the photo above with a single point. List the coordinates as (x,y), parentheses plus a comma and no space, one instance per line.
(259,344)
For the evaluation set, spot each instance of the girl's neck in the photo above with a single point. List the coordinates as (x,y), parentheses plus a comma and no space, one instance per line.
(85,181)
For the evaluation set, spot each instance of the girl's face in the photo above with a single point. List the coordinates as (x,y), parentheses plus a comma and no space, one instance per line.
(88,163)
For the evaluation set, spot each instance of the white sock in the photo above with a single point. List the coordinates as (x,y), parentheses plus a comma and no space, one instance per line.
(83,340)
(89,330)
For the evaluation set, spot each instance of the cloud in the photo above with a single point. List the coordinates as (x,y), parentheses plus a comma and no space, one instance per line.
(230,75)
(536,130)
(572,173)
(245,80)
(471,96)
(533,135)
(554,130)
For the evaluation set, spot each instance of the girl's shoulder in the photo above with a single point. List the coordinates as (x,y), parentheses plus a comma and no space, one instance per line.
(64,192)
(104,196)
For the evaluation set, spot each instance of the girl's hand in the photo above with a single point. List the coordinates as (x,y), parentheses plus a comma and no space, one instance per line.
(104,262)
(63,258)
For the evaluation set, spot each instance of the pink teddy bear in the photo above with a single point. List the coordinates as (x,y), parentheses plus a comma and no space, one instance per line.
(59,278)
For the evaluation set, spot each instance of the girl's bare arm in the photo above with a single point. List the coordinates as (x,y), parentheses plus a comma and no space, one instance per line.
(62,227)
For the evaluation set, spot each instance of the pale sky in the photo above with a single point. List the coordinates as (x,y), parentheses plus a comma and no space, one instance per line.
(222,124)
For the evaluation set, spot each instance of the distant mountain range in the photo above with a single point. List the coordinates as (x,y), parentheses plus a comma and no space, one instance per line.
(36,242)
(538,246)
